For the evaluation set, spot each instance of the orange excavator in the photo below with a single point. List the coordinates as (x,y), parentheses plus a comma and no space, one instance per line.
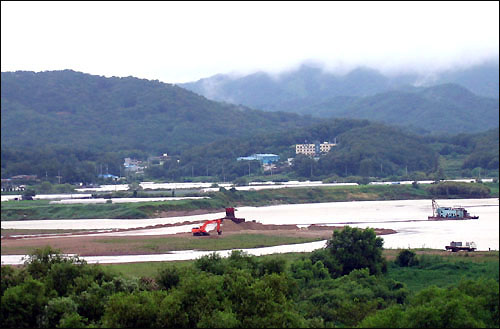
(202,230)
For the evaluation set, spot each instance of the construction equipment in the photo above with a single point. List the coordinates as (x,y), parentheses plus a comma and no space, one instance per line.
(443,213)
(199,231)
(457,246)
(230,215)
(202,230)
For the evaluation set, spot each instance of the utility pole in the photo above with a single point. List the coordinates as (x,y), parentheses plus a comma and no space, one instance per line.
(248,168)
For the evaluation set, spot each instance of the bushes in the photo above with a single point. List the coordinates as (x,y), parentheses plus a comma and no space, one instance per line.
(459,189)
(355,248)
(406,258)
(243,291)
(470,304)
(168,277)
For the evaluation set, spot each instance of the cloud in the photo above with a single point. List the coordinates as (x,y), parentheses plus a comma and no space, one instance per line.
(186,41)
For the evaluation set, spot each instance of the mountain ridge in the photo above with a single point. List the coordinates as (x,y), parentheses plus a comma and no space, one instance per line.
(73,108)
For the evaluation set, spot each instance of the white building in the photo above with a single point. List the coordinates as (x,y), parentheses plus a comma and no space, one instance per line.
(314,149)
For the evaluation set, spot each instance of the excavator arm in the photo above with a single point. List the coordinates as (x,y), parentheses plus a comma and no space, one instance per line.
(202,230)
(199,231)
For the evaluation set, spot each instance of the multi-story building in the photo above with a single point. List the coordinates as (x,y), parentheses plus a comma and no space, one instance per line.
(314,149)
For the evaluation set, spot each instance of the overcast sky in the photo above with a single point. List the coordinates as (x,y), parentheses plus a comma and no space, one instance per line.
(186,41)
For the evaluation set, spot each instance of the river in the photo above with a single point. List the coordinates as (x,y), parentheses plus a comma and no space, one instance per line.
(408,217)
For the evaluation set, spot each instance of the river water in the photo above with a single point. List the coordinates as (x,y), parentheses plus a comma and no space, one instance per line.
(407,217)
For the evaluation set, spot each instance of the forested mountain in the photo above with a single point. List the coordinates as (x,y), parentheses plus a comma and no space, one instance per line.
(442,109)
(482,79)
(290,89)
(364,148)
(70,124)
(88,112)
(442,101)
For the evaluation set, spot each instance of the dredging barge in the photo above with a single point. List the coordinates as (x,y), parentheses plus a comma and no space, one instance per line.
(447,213)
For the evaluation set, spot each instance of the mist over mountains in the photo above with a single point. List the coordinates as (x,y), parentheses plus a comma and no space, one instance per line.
(469,95)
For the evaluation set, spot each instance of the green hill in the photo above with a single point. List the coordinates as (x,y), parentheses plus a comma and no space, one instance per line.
(363,147)
(68,108)
(442,109)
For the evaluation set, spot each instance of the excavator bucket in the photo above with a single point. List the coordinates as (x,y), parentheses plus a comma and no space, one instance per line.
(230,215)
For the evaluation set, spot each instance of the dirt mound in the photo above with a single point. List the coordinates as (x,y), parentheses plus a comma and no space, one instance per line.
(230,226)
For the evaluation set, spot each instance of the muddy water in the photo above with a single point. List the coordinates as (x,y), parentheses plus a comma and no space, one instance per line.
(408,217)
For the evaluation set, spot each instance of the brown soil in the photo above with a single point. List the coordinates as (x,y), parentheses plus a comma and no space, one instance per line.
(179,213)
(85,245)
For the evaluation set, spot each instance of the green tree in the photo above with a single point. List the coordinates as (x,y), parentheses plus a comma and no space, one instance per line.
(470,304)
(137,310)
(168,277)
(45,187)
(406,258)
(355,248)
(22,305)
(57,309)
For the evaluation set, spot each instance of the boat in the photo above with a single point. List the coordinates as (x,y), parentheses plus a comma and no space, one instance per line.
(447,213)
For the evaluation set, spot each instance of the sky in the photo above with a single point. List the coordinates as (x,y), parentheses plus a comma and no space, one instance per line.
(177,42)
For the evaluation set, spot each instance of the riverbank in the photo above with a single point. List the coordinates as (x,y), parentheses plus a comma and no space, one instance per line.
(91,243)
(41,209)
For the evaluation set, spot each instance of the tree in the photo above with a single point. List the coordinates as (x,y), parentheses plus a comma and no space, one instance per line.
(22,305)
(57,309)
(28,194)
(406,258)
(168,277)
(137,310)
(134,187)
(356,248)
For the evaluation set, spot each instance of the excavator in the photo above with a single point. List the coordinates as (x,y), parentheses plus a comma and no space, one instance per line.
(202,230)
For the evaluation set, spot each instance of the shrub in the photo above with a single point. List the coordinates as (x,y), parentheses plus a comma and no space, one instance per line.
(356,248)
(406,258)
(168,277)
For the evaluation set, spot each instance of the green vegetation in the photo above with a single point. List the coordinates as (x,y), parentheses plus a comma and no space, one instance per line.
(367,93)
(322,289)
(113,118)
(137,115)
(165,244)
(459,189)
(427,270)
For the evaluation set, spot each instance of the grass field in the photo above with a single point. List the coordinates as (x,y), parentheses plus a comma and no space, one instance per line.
(243,241)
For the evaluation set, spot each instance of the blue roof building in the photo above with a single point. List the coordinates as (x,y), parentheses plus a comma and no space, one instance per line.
(265,158)
(108,176)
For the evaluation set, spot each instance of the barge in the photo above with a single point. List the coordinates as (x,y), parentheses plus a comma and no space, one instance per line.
(446,213)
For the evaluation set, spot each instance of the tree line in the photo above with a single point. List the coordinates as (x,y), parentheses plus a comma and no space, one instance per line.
(364,149)
(341,285)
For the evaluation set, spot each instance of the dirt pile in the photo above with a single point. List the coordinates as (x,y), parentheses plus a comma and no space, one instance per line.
(230,226)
